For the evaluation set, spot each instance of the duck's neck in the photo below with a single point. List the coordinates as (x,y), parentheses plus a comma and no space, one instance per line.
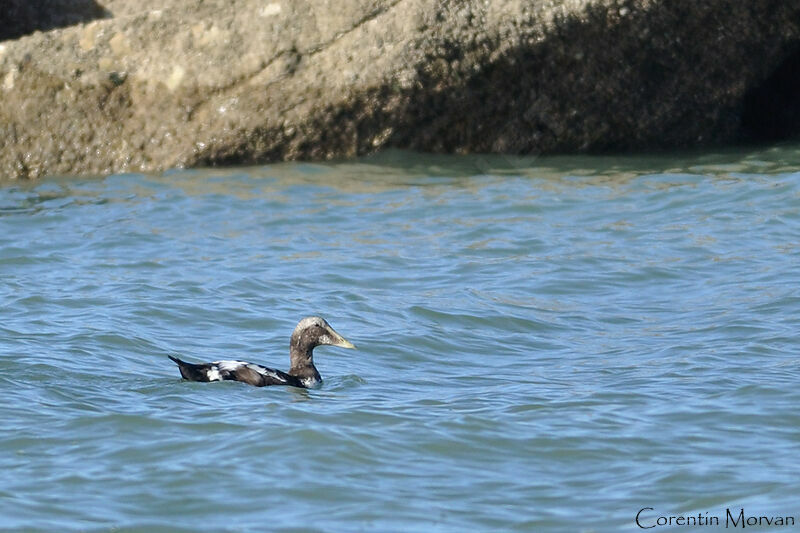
(302,358)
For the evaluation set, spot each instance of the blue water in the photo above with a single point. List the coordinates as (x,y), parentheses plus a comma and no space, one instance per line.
(545,344)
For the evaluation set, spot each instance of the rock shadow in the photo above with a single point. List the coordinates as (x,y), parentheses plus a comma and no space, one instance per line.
(772,109)
(22,17)
(619,76)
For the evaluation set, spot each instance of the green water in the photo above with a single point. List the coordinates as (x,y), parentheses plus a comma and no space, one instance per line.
(545,344)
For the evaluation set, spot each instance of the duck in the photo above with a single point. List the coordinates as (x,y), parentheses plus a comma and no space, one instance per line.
(310,332)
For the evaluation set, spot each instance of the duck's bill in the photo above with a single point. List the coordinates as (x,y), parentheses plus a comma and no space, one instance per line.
(341,342)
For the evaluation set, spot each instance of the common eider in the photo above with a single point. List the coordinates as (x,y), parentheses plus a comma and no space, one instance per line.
(311,332)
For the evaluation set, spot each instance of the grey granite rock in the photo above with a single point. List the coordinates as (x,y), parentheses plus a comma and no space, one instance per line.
(143,87)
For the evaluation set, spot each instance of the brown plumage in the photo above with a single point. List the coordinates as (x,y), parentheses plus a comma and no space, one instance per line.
(310,332)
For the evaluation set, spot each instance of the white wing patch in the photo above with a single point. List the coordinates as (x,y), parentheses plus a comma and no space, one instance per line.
(232,366)
(264,371)
(228,366)
(222,366)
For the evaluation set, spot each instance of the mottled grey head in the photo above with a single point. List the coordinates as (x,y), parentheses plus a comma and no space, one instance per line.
(313,331)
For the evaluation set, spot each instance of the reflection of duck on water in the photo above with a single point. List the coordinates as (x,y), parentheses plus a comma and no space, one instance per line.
(310,332)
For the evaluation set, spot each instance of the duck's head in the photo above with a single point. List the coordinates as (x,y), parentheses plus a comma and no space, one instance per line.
(311,332)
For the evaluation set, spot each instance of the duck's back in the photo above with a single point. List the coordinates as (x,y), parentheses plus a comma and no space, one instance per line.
(250,373)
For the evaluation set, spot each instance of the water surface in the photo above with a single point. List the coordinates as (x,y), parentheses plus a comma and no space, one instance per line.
(545,344)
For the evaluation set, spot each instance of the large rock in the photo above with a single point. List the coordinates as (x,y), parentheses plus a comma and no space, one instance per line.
(211,82)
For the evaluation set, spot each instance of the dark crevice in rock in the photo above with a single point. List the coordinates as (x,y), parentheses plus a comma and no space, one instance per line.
(369,17)
(771,111)
(21,17)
